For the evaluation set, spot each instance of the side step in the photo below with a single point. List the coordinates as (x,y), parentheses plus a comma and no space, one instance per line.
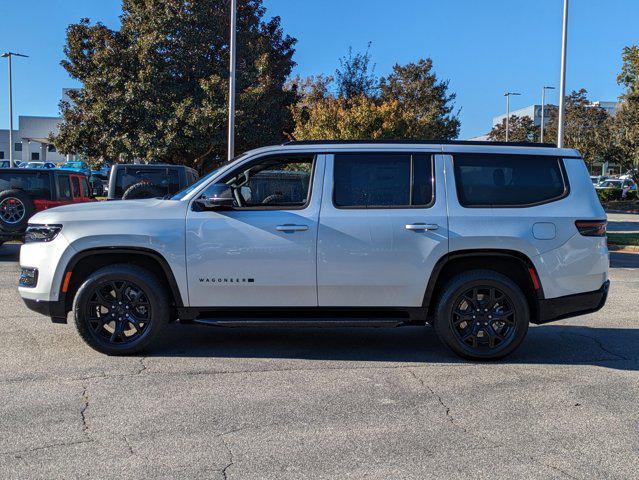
(302,323)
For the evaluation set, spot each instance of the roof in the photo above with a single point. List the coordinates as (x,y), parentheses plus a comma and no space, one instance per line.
(421,142)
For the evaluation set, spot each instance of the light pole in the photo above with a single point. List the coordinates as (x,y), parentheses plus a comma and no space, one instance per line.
(543,111)
(562,79)
(507,95)
(9,55)
(232,48)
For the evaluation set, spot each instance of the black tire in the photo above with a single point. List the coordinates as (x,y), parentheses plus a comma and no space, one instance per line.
(142,190)
(16,207)
(480,301)
(99,317)
(275,198)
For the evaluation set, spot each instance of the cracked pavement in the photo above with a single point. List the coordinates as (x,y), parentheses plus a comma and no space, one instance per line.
(322,403)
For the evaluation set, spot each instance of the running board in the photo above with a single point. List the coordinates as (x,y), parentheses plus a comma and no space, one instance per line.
(306,322)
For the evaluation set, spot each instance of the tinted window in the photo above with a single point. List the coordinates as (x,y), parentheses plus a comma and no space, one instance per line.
(36,184)
(64,187)
(165,178)
(84,184)
(274,182)
(377,180)
(507,180)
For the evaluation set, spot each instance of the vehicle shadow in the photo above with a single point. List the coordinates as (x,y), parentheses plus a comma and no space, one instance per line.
(10,252)
(546,344)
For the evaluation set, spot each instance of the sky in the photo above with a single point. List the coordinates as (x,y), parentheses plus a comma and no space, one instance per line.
(483,48)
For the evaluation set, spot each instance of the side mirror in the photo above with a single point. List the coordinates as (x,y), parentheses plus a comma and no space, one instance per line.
(219,197)
(215,203)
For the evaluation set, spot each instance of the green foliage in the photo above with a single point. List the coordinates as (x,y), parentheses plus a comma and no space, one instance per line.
(157,89)
(626,122)
(520,129)
(613,194)
(410,103)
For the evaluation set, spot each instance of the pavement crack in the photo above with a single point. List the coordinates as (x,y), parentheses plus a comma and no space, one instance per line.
(143,366)
(484,438)
(129,446)
(599,343)
(230,453)
(19,453)
(85,405)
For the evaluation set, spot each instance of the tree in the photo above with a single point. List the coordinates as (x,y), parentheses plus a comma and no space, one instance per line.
(587,128)
(521,129)
(626,122)
(410,103)
(157,88)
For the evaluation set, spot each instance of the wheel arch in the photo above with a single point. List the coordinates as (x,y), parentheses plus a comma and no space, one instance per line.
(515,265)
(89,260)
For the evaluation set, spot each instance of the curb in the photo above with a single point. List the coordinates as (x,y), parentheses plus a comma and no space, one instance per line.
(624,248)
(632,212)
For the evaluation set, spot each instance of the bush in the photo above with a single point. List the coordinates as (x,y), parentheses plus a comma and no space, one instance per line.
(614,194)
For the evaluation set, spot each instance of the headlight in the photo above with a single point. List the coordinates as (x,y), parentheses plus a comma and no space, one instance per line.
(41,233)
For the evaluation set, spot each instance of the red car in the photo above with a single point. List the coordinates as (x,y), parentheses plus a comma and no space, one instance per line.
(24,192)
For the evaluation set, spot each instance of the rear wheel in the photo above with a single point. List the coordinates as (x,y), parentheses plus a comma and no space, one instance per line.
(120,309)
(482,315)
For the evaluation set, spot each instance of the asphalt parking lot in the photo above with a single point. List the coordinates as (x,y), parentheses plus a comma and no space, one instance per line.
(322,403)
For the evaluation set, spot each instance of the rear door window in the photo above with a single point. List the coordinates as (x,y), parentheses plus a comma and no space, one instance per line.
(64,187)
(165,178)
(502,180)
(383,180)
(75,186)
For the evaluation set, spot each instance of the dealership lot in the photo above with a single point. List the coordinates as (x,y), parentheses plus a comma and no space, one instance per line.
(321,403)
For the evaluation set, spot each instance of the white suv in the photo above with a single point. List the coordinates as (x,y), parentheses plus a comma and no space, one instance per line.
(477,239)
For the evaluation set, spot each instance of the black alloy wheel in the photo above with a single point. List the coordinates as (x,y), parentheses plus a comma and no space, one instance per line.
(482,315)
(120,309)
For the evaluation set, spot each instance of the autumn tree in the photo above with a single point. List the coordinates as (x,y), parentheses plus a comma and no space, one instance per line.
(587,128)
(411,102)
(157,88)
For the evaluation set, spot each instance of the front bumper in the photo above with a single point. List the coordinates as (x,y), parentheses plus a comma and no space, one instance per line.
(55,310)
(552,309)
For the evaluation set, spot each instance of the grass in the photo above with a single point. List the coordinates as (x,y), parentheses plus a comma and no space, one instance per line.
(623,238)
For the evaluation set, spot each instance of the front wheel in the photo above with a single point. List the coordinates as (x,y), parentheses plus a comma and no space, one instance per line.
(120,309)
(482,315)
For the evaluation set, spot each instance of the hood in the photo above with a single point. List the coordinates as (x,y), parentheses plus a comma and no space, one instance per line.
(147,209)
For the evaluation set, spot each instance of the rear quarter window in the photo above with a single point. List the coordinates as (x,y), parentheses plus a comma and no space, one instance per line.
(36,184)
(502,180)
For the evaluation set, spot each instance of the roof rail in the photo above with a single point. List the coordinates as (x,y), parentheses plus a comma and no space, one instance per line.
(422,142)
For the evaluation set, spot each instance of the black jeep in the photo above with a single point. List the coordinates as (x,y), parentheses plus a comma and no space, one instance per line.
(135,181)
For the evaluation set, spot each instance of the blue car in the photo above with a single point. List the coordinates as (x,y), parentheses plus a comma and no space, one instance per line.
(77,166)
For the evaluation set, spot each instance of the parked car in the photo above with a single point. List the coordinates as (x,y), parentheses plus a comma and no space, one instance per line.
(597,179)
(77,166)
(129,182)
(24,192)
(477,240)
(616,184)
(38,165)
(5,164)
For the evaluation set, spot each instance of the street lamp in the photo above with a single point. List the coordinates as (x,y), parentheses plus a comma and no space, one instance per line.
(562,79)
(507,95)
(543,111)
(9,55)
(232,48)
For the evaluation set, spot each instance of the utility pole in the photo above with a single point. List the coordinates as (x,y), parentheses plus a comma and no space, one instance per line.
(543,111)
(232,48)
(507,95)
(562,79)
(9,55)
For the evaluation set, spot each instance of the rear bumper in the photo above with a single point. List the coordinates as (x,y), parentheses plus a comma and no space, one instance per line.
(552,309)
(54,310)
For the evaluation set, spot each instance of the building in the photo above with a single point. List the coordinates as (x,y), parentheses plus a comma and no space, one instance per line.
(31,139)
(534,112)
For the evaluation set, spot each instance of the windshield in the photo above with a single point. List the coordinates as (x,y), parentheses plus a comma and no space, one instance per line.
(611,183)
(35,165)
(183,193)
(74,164)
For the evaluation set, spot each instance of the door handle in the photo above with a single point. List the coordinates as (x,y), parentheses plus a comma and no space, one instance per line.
(419,227)
(291,228)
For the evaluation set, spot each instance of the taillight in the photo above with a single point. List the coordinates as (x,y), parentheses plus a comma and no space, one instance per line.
(592,228)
